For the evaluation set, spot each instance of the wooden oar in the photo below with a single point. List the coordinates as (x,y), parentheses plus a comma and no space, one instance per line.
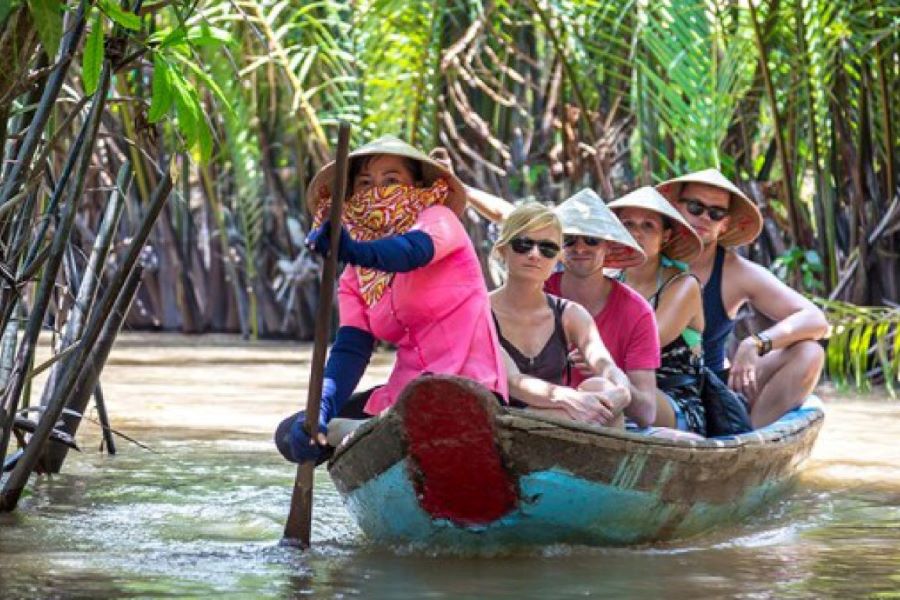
(299,523)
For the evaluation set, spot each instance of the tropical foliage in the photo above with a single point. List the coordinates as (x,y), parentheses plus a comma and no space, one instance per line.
(864,345)
(794,99)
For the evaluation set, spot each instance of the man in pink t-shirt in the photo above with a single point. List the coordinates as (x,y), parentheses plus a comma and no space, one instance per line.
(593,238)
(626,323)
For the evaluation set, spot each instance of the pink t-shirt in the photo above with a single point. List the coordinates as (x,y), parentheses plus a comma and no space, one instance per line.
(627,327)
(438,316)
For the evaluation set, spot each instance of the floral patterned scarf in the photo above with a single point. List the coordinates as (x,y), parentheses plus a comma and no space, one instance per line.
(379,212)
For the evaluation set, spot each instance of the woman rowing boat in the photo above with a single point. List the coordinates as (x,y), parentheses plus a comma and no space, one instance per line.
(414,281)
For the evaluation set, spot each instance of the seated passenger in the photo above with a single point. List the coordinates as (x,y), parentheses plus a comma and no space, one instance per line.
(668,241)
(774,369)
(413,280)
(593,240)
(536,329)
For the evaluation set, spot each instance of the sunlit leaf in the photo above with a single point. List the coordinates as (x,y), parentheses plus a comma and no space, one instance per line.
(92,59)
(162,96)
(114,11)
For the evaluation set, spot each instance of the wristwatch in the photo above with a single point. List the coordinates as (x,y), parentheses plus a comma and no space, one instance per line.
(763,343)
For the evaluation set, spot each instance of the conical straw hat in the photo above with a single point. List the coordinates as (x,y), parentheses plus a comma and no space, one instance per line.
(585,213)
(744,219)
(431,170)
(684,244)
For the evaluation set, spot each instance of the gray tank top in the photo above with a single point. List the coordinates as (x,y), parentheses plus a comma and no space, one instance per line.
(551,364)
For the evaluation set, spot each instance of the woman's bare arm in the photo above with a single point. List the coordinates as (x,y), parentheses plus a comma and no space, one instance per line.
(489,206)
(679,304)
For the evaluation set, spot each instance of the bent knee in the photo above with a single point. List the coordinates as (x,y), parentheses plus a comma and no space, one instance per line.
(811,355)
(282,434)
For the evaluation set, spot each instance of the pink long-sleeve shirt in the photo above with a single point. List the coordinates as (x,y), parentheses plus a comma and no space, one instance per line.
(438,316)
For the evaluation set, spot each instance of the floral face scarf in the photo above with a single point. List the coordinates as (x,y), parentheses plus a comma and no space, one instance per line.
(379,212)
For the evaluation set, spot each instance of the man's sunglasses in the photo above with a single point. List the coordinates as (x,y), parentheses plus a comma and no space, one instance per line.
(571,240)
(697,208)
(523,245)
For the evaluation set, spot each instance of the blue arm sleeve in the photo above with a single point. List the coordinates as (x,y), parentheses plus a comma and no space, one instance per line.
(346,364)
(395,254)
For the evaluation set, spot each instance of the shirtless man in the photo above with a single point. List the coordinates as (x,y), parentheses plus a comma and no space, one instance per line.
(776,368)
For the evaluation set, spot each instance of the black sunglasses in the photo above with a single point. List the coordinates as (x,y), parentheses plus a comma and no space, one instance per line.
(523,245)
(571,240)
(697,208)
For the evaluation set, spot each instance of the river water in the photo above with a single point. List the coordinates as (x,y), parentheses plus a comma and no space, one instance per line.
(201,515)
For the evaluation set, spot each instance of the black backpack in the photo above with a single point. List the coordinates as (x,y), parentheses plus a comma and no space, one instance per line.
(727,412)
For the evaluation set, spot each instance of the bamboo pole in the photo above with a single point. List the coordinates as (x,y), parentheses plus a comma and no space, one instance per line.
(90,282)
(87,292)
(15,485)
(78,396)
(18,377)
(103,417)
(298,528)
(22,164)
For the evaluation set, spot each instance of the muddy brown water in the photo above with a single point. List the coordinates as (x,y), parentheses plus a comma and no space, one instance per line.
(201,516)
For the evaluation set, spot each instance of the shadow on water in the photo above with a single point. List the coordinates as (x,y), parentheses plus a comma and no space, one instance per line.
(201,517)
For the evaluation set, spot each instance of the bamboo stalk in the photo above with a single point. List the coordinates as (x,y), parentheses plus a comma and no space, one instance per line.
(78,396)
(15,485)
(22,164)
(18,377)
(7,356)
(90,282)
(102,416)
(53,204)
(21,122)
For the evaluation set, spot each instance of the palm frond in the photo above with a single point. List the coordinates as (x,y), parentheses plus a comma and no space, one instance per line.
(863,345)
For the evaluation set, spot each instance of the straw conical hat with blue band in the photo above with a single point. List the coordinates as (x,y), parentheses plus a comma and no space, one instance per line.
(684,244)
(586,214)
(745,222)
(431,171)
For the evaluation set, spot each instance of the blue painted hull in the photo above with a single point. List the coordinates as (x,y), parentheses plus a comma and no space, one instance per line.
(579,484)
(560,508)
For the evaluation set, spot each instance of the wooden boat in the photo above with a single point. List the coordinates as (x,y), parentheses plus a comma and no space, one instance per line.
(448,466)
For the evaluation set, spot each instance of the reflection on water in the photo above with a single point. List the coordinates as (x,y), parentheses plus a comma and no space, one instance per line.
(202,515)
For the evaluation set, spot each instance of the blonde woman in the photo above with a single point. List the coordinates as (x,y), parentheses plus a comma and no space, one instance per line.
(537,329)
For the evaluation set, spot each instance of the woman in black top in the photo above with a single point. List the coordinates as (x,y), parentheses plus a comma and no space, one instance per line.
(667,240)
(537,329)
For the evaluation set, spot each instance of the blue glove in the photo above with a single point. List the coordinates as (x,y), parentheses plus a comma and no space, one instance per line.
(395,254)
(319,241)
(347,362)
(303,449)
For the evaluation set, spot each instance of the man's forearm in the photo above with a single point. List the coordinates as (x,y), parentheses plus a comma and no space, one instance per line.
(642,385)
(806,324)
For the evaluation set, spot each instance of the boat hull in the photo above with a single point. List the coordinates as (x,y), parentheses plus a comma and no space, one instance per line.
(447,466)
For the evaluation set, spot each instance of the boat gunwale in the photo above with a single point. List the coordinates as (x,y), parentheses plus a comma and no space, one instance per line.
(522,419)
